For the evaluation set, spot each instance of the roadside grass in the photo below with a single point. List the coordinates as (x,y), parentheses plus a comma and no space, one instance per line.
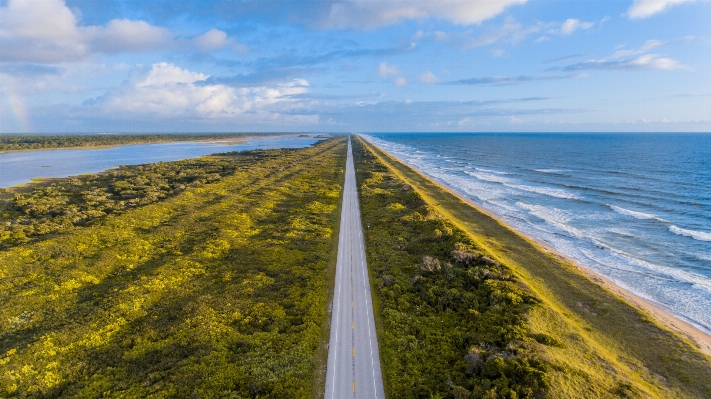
(596,344)
(319,385)
(217,291)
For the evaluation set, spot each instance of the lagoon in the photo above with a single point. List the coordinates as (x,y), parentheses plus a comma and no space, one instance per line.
(22,167)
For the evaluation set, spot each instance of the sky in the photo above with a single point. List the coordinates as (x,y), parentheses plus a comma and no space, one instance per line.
(355,66)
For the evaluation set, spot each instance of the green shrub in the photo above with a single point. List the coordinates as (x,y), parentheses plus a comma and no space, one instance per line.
(452,319)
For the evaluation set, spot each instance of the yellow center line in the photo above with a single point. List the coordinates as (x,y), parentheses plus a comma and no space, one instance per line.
(352,351)
(352,325)
(354,386)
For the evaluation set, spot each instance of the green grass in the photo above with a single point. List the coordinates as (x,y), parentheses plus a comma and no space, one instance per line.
(595,344)
(220,290)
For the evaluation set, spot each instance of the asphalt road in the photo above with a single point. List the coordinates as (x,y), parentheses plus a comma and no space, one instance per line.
(353,358)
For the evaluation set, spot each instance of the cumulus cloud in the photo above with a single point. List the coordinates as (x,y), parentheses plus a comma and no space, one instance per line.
(35,31)
(123,35)
(401,81)
(49,32)
(571,25)
(168,91)
(384,70)
(368,14)
(429,77)
(215,39)
(647,8)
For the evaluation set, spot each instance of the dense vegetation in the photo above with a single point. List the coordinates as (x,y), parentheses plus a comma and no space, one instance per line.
(17,142)
(63,204)
(453,321)
(587,342)
(216,291)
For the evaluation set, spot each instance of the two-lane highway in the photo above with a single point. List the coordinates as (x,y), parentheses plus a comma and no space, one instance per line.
(353,358)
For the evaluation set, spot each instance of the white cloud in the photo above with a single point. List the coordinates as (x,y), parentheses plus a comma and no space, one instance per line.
(215,39)
(647,8)
(648,45)
(401,81)
(48,32)
(39,31)
(369,14)
(654,61)
(647,61)
(429,77)
(169,91)
(123,35)
(510,32)
(441,36)
(631,59)
(384,70)
(571,25)
(497,53)
(212,39)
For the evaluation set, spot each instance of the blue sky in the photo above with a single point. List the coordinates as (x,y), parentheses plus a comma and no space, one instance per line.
(355,65)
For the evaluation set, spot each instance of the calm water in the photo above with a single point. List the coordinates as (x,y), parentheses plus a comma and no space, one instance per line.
(20,167)
(635,208)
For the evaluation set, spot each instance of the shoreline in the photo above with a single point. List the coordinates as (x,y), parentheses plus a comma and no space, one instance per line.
(657,311)
(105,146)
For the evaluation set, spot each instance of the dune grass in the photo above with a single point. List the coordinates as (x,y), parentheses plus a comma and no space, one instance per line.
(220,290)
(603,346)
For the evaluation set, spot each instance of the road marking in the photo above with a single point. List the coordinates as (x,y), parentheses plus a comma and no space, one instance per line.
(352,351)
(352,324)
(354,386)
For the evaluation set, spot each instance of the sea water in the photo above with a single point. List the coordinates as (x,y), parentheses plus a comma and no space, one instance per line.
(23,166)
(635,208)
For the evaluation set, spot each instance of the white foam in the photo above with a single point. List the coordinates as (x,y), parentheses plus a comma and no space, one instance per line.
(488,177)
(554,171)
(495,178)
(553,216)
(696,235)
(634,214)
(491,171)
(551,192)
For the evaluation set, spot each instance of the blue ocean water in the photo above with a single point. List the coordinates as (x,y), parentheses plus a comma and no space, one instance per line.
(635,208)
(23,166)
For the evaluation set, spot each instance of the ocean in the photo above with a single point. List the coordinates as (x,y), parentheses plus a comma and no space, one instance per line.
(635,208)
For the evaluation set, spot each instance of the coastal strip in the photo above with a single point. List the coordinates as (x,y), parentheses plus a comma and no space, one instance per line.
(601,339)
(661,313)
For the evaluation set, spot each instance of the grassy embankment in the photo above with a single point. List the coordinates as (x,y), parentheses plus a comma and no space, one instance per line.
(551,331)
(218,290)
(17,142)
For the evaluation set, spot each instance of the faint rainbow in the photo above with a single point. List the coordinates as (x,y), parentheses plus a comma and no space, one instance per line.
(18,108)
